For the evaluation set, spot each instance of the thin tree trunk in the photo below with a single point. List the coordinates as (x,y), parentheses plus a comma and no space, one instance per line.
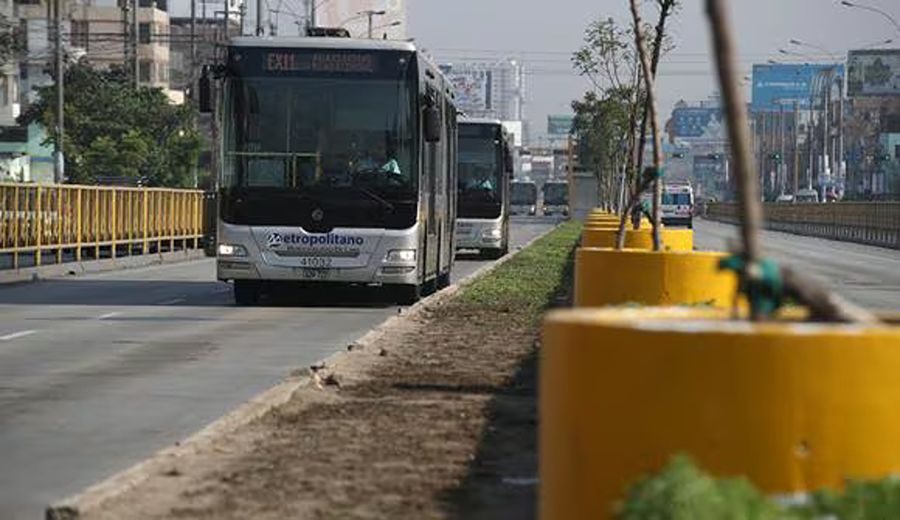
(649,80)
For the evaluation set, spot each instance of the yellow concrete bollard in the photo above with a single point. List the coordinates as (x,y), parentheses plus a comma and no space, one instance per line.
(794,407)
(673,239)
(606,276)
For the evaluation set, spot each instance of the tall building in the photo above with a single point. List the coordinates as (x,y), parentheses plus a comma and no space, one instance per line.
(494,90)
(871,135)
(96,33)
(386,18)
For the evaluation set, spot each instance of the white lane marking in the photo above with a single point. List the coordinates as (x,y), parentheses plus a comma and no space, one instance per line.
(109,315)
(16,335)
(173,301)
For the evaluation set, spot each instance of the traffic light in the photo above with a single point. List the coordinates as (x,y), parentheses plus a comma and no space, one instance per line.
(713,156)
(678,155)
(775,157)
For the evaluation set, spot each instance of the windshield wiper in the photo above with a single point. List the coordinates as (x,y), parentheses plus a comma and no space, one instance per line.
(374,196)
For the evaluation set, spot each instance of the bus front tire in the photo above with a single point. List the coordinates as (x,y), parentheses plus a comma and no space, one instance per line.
(407,294)
(246,292)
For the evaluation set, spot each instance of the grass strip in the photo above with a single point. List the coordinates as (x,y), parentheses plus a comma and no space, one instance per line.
(529,281)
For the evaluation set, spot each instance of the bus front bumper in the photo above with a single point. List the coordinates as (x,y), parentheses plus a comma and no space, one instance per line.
(479,233)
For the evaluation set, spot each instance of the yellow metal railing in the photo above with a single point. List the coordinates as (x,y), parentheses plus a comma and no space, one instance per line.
(43,220)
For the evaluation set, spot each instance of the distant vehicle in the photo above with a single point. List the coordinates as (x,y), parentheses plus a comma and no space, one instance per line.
(338,166)
(807,196)
(785,198)
(678,205)
(523,198)
(556,198)
(485,167)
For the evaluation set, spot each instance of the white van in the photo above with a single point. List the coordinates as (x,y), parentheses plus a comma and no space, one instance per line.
(678,205)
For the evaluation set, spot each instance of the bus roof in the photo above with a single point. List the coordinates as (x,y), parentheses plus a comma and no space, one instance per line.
(300,42)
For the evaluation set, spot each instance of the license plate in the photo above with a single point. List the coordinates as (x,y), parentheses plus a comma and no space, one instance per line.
(315,262)
(313,274)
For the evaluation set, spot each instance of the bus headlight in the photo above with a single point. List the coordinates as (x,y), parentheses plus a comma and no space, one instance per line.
(492,234)
(232,250)
(401,255)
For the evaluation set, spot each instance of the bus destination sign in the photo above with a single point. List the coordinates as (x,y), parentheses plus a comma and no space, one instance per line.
(353,63)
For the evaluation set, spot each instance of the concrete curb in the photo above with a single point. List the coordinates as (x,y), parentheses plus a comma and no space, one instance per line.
(92,499)
(69,269)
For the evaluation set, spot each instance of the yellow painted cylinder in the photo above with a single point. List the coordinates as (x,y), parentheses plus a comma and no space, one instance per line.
(673,239)
(606,276)
(793,407)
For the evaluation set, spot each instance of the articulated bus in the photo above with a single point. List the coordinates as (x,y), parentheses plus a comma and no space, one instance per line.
(485,168)
(338,165)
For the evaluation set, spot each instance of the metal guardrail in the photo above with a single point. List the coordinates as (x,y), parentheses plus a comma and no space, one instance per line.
(72,222)
(872,223)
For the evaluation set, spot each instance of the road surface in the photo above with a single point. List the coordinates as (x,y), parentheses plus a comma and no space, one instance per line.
(866,275)
(99,372)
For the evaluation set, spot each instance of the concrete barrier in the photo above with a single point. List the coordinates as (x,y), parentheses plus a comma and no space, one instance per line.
(792,406)
(673,239)
(606,276)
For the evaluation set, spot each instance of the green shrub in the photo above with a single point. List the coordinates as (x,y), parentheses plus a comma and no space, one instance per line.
(681,491)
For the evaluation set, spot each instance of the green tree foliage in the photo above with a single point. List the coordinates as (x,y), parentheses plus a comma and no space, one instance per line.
(609,60)
(113,130)
(602,123)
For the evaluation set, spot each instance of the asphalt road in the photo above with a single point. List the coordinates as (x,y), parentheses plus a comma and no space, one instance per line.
(98,372)
(866,275)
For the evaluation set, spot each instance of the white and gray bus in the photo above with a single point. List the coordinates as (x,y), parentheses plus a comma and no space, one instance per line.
(523,198)
(338,165)
(485,168)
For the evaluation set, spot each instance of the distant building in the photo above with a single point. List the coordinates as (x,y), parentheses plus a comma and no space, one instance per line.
(494,90)
(95,33)
(696,147)
(207,32)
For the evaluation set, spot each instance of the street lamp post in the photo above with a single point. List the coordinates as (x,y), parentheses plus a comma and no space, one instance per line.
(884,14)
(370,14)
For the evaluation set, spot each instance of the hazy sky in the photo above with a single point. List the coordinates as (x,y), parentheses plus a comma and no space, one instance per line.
(543,35)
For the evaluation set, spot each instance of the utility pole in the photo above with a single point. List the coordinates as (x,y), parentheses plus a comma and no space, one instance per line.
(59,165)
(796,148)
(193,44)
(259,17)
(135,41)
(242,13)
(782,165)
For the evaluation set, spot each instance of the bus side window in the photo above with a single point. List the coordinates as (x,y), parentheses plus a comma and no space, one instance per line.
(431,156)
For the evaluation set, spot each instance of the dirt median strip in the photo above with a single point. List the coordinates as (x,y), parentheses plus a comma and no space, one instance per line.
(392,428)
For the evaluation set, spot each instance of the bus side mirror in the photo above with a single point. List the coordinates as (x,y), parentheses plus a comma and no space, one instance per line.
(204,92)
(432,124)
(508,159)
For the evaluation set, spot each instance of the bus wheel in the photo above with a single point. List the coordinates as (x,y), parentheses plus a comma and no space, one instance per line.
(246,292)
(407,294)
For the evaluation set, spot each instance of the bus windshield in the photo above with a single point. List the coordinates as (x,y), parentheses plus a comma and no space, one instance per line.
(523,193)
(480,171)
(677,199)
(341,143)
(556,193)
